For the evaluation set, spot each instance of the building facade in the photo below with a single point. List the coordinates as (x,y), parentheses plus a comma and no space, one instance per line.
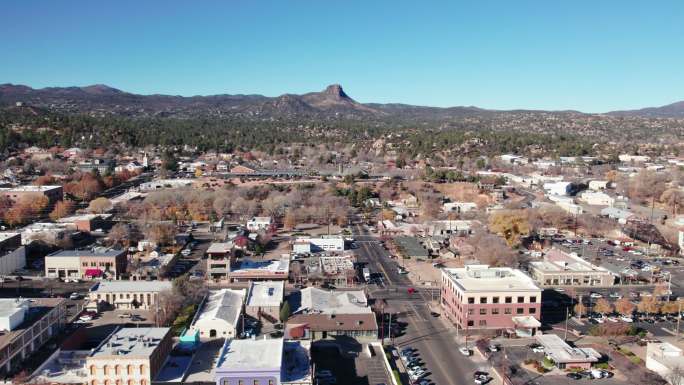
(16,194)
(129,356)
(127,295)
(12,253)
(483,297)
(559,268)
(27,326)
(85,264)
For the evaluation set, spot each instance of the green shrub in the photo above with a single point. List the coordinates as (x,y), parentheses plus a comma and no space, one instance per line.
(602,365)
(397,377)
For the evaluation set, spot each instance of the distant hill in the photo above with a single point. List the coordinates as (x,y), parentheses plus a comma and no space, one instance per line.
(104,99)
(674,110)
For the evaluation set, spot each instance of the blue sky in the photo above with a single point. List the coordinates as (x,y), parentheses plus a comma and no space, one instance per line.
(592,56)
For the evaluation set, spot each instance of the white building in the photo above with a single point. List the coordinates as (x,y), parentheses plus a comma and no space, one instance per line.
(557,188)
(666,360)
(12,313)
(220,315)
(598,185)
(459,207)
(303,245)
(626,158)
(596,198)
(259,223)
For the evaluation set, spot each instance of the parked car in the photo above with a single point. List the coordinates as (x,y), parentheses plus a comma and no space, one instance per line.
(626,319)
(465,351)
(574,376)
(74,296)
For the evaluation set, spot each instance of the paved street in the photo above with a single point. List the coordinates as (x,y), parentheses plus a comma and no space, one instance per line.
(435,341)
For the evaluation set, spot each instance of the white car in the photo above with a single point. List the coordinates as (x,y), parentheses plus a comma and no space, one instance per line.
(626,319)
(612,319)
(74,296)
(595,295)
(538,349)
(615,295)
(465,351)
(85,318)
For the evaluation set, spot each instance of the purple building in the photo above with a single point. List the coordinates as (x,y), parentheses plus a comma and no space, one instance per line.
(264,362)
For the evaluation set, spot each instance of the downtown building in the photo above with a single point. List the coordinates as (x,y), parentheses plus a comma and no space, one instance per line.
(484,297)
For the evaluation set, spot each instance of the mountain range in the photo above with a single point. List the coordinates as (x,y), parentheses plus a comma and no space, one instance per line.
(332,102)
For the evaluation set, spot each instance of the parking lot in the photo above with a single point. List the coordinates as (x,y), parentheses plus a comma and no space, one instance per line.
(513,357)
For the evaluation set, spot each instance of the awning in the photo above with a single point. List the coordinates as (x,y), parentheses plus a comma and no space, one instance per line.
(527,322)
(93,272)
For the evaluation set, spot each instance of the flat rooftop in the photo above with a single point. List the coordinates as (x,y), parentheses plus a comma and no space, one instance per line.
(319,301)
(266,293)
(249,355)
(485,278)
(29,188)
(6,236)
(131,342)
(559,351)
(557,260)
(87,253)
(223,247)
(133,286)
(38,308)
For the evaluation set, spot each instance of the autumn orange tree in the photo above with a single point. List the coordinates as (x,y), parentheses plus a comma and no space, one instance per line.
(624,306)
(62,209)
(511,224)
(602,306)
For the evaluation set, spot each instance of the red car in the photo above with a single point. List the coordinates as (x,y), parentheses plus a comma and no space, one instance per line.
(411,290)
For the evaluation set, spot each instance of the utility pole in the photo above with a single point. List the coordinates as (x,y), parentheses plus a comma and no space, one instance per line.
(679,318)
(567,314)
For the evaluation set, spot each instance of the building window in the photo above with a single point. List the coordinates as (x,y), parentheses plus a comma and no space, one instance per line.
(470,311)
(495,311)
(508,299)
(507,310)
(471,300)
(483,322)
(483,311)
(533,310)
(495,300)
(533,299)
(519,311)
(483,299)
(521,299)
(471,323)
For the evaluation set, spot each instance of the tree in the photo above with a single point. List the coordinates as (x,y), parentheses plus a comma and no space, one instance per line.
(61,210)
(37,204)
(649,305)
(122,234)
(670,307)
(290,220)
(160,233)
(580,309)
(285,311)
(99,205)
(602,306)
(624,306)
(511,224)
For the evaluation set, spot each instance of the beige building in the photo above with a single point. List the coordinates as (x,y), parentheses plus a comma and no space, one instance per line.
(128,295)
(264,299)
(559,268)
(27,324)
(129,356)
(220,315)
